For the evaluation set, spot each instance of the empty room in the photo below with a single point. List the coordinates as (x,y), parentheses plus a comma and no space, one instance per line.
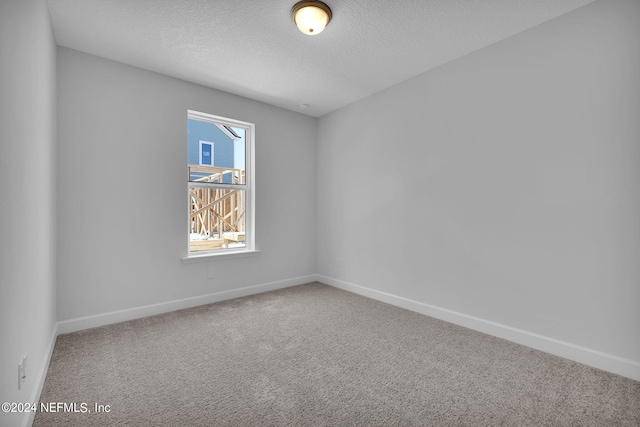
(349,212)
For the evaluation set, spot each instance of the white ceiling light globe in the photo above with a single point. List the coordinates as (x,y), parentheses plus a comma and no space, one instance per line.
(311,17)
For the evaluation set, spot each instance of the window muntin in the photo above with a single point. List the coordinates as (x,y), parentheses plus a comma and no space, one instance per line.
(220,184)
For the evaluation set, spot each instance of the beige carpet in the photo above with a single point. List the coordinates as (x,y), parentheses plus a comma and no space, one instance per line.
(316,355)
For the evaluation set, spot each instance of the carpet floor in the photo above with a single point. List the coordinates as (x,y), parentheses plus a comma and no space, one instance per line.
(316,355)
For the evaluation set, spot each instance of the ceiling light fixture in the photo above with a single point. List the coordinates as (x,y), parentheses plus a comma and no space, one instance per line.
(311,16)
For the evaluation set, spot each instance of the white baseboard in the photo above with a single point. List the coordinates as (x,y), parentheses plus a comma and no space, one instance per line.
(607,362)
(39,381)
(78,324)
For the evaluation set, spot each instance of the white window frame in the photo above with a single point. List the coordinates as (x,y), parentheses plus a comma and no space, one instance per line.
(249,191)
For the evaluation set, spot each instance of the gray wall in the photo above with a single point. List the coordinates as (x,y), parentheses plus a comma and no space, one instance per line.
(122,218)
(513,194)
(27,195)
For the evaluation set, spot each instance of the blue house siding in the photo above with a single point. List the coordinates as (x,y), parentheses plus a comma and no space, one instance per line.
(223,145)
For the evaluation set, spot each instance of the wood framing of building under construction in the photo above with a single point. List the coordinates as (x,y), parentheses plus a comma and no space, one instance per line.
(216,215)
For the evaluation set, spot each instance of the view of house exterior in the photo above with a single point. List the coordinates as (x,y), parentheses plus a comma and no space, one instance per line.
(215,156)
(211,144)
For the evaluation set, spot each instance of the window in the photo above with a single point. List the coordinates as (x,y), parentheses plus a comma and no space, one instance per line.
(220,184)
(206,153)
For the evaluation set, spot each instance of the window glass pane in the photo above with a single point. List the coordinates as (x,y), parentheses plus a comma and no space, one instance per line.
(216,218)
(216,152)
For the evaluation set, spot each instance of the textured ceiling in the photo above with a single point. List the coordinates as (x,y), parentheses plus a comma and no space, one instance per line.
(253,49)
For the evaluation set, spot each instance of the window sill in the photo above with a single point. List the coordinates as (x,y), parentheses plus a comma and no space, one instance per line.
(189,259)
